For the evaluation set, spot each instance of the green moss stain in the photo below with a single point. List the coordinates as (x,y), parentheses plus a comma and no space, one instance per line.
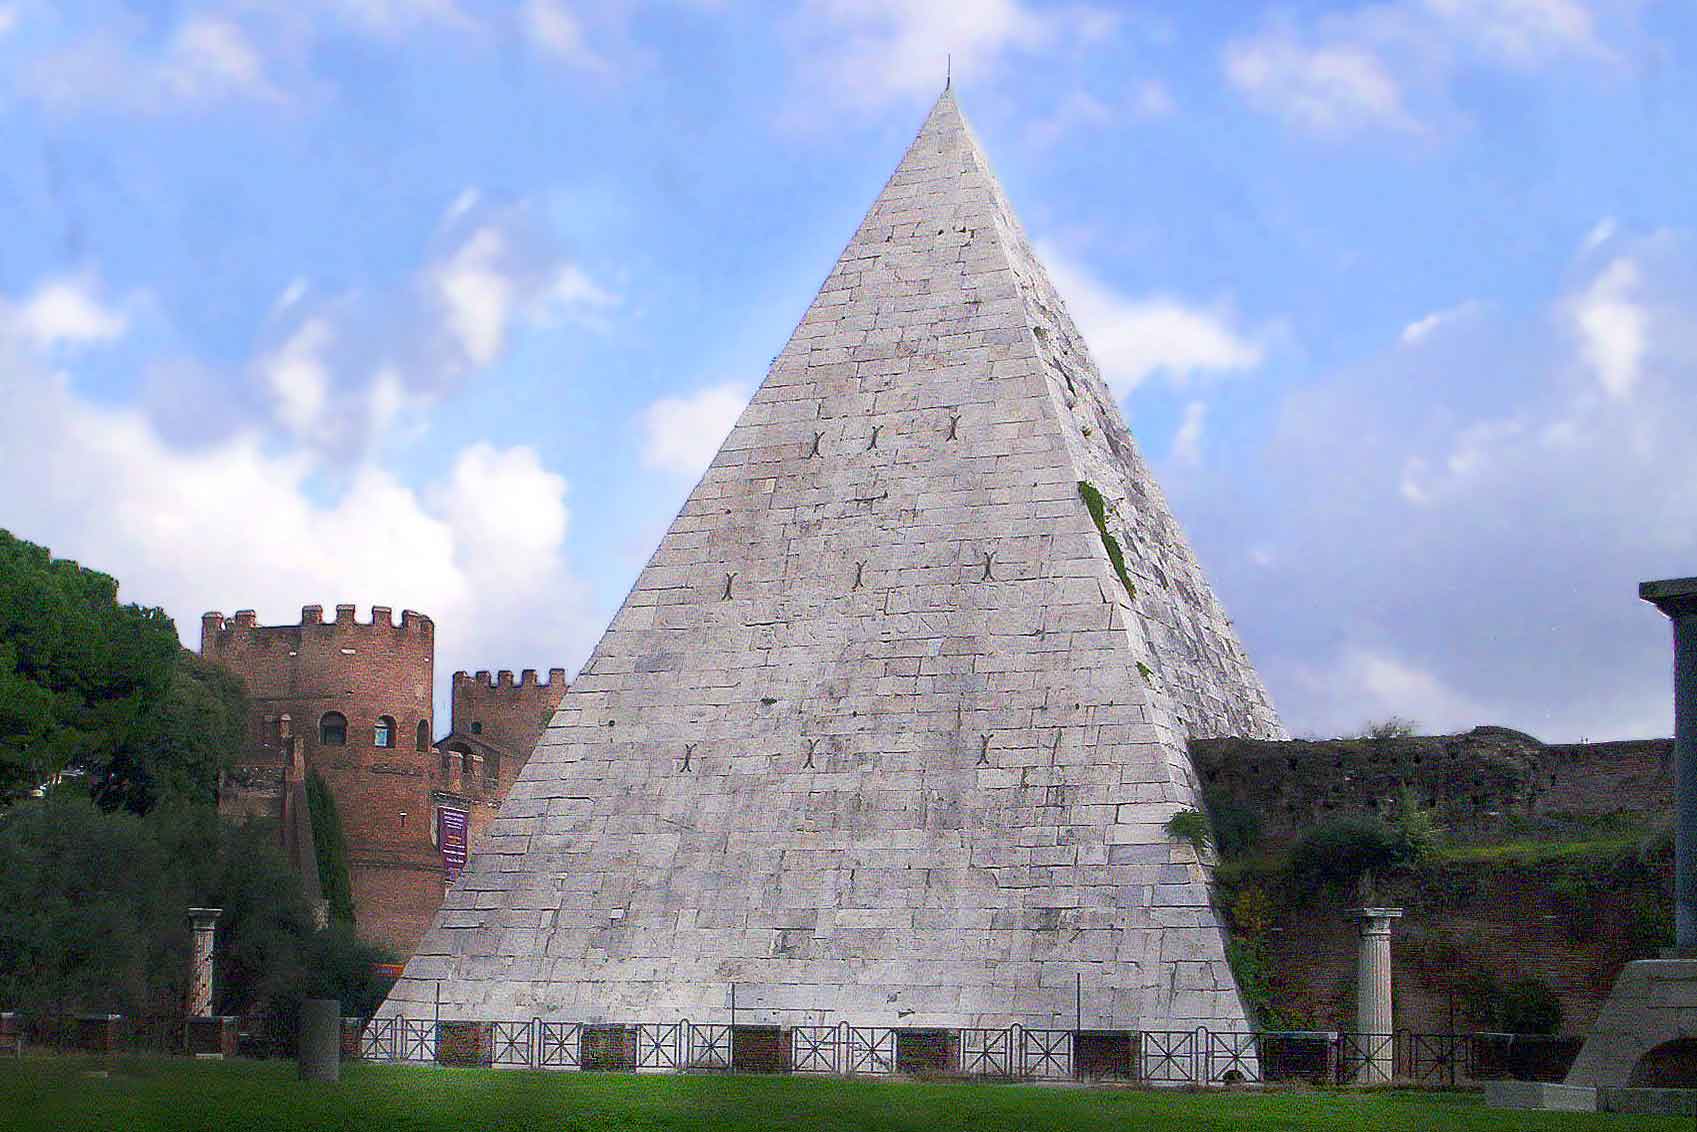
(1147,673)
(1098,509)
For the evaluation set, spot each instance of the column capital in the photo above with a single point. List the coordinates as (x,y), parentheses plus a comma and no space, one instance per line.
(204,919)
(1676,597)
(1374,921)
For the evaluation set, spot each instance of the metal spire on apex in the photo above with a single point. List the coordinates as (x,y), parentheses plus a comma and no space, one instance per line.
(948,69)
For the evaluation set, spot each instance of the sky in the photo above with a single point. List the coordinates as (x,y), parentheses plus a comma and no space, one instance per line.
(446,305)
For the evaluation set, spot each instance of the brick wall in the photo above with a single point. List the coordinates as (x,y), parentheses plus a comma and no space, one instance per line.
(362,670)
(505,713)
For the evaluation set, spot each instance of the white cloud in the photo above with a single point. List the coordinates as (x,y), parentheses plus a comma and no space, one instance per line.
(390,17)
(298,379)
(1154,100)
(1601,233)
(211,57)
(557,31)
(292,294)
(1363,684)
(1522,33)
(1395,65)
(572,296)
(65,312)
(1133,339)
(1471,455)
(1423,328)
(509,512)
(1613,328)
(1187,442)
(868,53)
(8,17)
(1329,88)
(476,295)
(681,435)
(234,524)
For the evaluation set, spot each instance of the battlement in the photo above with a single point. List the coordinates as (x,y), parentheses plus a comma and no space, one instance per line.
(504,679)
(214,625)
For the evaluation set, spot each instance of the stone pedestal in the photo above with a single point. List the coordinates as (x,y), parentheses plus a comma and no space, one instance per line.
(211,1036)
(321,1040)
(1373,1023)
(100,1033)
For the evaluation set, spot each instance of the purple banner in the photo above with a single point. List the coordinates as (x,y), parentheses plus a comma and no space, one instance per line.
(451,836)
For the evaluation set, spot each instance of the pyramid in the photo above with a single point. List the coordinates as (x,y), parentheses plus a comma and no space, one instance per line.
(888,728)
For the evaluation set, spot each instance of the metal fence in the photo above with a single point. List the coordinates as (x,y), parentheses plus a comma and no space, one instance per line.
(1155,1057)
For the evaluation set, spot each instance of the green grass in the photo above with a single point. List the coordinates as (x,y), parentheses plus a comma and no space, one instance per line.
(141,1094)
(1534,851)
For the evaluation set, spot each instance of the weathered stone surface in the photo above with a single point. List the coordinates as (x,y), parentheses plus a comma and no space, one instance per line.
(879,734)
(1653,1001)
(1540,1096)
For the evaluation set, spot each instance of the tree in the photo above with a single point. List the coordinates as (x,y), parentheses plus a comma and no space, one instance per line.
(177,749)
(78,671)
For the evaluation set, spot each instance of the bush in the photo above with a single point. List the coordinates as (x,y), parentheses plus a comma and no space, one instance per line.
(1393,727)
(1528,1005)
(1342,850)
(1417,832)
(1190,826)
(1237,828)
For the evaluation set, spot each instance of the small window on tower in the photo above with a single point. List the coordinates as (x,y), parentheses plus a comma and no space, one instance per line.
(383,731)
(333,729)
(423,743)
(477,727)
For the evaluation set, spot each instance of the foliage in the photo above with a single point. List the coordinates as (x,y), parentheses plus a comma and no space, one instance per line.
(1391,727)
(78,671)
(1417,833)
(1252,911)
(1343,849)
(1237,827)
(1649,927)
(330,846)
(96,904)
(177,749)
(1527,1005)
(1098,508)
(1190,826)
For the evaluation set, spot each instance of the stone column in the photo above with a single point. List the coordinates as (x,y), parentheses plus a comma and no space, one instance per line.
(204,923)
(1677,597)
(1373,994)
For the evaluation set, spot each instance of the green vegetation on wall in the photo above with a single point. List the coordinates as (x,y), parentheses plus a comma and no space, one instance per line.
(330,845)
(1097,507)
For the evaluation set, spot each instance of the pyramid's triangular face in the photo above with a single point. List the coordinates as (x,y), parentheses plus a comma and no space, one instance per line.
(880,734)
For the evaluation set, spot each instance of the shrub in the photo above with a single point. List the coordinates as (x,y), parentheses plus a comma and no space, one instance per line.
(1343,849)
(1252,912)
(1190,826)
(1417,832)
(1237,828)
(1528,1005)
(1393,727)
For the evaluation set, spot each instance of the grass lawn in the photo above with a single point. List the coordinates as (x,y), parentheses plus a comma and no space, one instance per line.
(59,1093)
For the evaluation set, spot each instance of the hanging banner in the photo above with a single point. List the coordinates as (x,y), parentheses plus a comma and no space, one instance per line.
(451,836)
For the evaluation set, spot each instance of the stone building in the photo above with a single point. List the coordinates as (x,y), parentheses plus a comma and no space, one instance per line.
(352,702)
(889,728)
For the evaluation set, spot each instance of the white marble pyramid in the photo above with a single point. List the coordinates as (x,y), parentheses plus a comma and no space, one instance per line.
(883,732)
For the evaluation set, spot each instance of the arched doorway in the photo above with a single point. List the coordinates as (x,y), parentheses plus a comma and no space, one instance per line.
(1671,1065)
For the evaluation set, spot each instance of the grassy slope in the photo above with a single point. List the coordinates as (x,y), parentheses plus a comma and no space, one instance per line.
(41,1092)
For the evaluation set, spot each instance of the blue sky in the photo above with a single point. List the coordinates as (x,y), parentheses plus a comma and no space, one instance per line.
(445,305)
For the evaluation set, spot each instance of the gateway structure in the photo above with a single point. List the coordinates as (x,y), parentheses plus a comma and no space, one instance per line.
(888,729)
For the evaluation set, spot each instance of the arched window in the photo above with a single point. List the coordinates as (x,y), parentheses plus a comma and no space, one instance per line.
(477,727)
(383,731)
(333,729)
(423,735)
